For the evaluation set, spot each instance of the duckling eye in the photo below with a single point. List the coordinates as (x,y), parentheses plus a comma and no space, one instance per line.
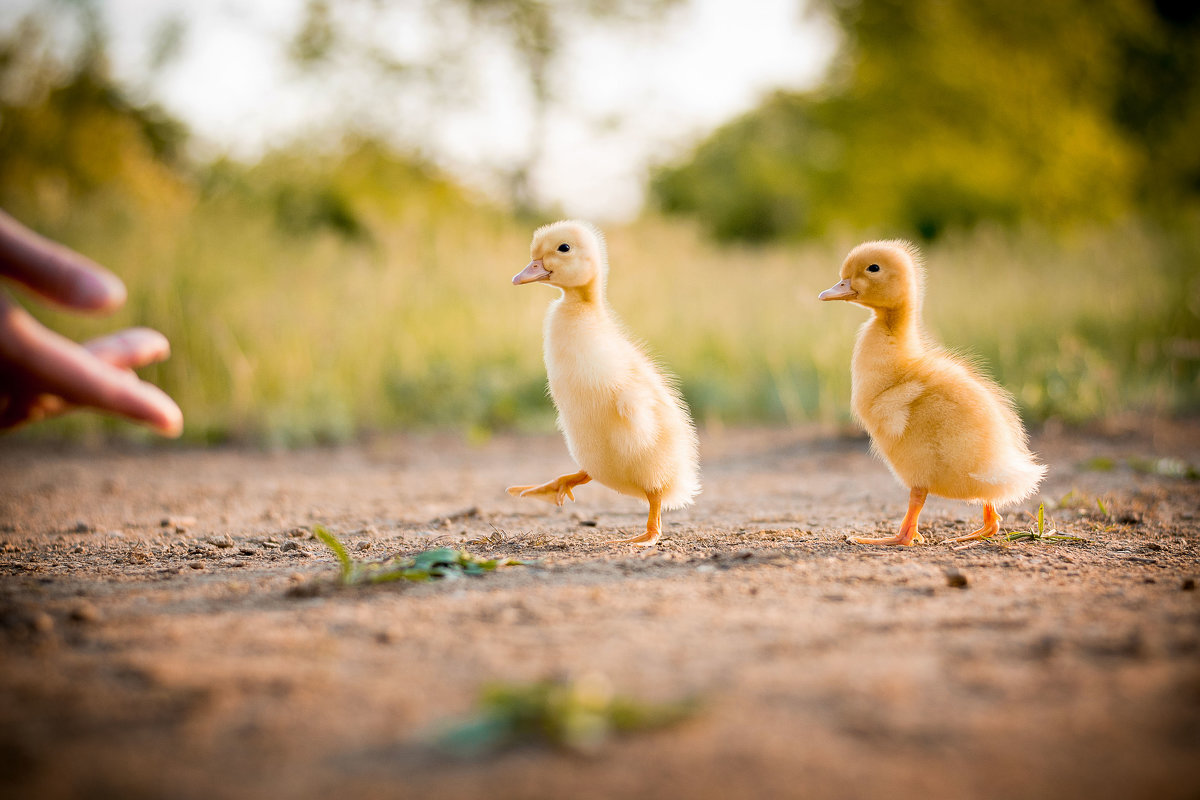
(564,248)
(873,268)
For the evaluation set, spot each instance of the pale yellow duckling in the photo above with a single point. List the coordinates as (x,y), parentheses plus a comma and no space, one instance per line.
(940,425)
(624,421)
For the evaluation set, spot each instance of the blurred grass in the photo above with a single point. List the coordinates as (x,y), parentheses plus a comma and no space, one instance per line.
(291,336)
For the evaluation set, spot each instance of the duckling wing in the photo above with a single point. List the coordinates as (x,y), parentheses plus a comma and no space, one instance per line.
(891,408)
(636,406)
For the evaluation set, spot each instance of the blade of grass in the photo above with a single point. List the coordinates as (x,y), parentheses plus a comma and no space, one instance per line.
(343,557)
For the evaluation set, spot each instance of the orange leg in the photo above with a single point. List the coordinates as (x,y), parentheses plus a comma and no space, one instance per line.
(653,525)
(908,533)
(991,526)
(554,491)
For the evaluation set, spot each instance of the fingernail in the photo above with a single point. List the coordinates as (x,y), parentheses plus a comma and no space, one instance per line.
(174,423)
(99,290)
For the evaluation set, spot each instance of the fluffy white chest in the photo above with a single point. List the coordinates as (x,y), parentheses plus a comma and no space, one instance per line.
(588,360)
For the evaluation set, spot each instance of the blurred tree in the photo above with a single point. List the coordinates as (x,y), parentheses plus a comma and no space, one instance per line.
(68,133)
(357,190)
(1158,101)
(535,32)
(944,113)
(75,145)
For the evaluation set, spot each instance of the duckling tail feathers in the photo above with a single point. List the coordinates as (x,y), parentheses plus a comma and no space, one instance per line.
(1013,482)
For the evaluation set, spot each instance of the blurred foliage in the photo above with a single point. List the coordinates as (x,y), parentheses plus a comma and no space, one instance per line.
(69,134)
(942,114)
(580,716)
(326,291)
(536,33)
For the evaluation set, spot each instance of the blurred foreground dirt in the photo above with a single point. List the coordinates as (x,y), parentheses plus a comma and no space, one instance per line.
(169,628)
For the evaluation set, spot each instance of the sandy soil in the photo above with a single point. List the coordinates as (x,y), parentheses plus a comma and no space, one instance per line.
(169,628)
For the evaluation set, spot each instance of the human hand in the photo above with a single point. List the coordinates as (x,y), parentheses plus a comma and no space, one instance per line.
(43,374)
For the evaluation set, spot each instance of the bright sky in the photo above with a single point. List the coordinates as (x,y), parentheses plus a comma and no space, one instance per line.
(628,99)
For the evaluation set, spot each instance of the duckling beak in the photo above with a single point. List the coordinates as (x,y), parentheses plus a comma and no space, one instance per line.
(533,272)
(839,291)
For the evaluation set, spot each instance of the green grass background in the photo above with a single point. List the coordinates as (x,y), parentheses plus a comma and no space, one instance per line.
(287,337)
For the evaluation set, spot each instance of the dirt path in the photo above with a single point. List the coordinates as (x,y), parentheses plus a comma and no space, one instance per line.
(143,660)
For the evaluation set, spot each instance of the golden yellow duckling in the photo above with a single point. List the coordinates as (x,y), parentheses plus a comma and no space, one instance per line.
(625,423)
(941,426)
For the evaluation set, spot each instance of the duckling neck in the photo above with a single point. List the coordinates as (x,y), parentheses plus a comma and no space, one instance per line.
(902,325)
(590,296)
(580,305)
(888,345)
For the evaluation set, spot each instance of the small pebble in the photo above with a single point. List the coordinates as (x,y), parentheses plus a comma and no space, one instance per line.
(286,546)
(364,545)
(231,562)
(956,579)
(196,564)
(246,551)
(224,541)
(81,527)
(1189,585)
(42,622)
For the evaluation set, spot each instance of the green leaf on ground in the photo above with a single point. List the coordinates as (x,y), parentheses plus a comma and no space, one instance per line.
(439,563)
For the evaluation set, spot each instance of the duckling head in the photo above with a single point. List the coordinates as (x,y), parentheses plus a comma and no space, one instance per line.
(881,275)
(569,254)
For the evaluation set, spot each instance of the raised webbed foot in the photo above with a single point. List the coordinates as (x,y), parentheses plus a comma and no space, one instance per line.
(555,491)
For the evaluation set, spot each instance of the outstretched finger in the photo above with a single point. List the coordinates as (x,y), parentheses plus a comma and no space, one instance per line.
(131,348)
(57,273)
(58,366)
(128,350)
